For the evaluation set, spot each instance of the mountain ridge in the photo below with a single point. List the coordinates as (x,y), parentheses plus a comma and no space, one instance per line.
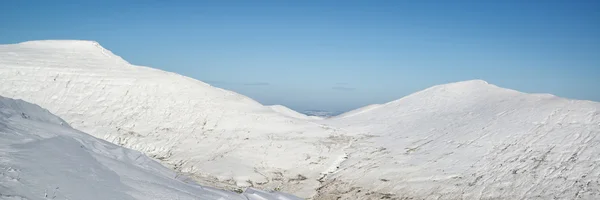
(168,116)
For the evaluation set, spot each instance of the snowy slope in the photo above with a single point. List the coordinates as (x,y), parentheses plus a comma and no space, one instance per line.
(357,111)
(218,137)
(471,140)
(292,113)
(42,157)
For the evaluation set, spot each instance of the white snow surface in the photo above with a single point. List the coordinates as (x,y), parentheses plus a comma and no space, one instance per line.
(357,111)
(464,140)
(215,136)
(472,140)
(42,157)
(292,113)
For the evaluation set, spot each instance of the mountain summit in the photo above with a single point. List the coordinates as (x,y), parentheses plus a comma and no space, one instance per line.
(70,48)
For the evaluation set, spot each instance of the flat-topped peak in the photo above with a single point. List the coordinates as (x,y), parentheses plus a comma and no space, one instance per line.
(75,45)
(86,47)
(63,43)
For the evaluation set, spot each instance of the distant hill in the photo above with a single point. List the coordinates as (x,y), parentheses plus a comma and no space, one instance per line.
(321,113)
(292,113)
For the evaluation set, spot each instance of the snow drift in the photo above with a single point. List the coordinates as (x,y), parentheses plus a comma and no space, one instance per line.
(472,140)
(42,157)
(216,136)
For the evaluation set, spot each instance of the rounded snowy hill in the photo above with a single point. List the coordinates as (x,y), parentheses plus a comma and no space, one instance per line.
(471,140)
(217,136)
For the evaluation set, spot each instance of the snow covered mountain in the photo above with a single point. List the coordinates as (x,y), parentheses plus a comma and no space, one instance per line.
(292,113)
(42,157)
(218,137)
(471,140)
(464,140)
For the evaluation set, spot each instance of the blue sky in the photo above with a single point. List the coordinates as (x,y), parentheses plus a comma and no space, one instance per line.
(336,55)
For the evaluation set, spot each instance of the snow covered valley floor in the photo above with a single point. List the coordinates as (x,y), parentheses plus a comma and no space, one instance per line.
(464,140)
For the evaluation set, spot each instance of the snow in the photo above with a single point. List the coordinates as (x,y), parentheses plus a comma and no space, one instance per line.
(215,136)
(472,140)
(292,113)
(463,140)
(358,111)
(42,157)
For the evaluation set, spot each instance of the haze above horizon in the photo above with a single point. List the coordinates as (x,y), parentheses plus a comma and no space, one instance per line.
(336,55)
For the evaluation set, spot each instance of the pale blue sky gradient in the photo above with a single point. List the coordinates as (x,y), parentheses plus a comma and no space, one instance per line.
(336,55)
